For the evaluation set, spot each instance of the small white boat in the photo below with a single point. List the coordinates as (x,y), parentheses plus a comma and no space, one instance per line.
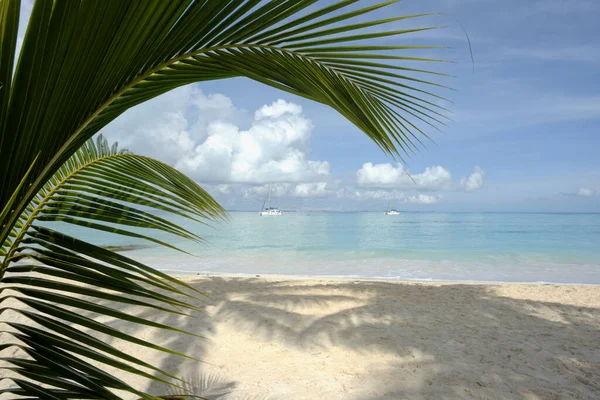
(269,211)
(391,211)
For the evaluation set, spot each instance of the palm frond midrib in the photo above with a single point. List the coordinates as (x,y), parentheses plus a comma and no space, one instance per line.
(194,54)
(40,205)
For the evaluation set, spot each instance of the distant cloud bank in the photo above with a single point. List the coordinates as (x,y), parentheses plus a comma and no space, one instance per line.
(240,155)
(586,192)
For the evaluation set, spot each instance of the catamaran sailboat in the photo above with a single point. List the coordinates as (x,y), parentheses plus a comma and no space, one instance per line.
(269,211)
(391,211)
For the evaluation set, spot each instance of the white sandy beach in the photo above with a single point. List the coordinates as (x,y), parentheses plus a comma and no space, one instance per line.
(305,339)
(275,338)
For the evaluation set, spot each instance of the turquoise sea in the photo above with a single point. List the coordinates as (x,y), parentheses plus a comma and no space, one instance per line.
(562,248)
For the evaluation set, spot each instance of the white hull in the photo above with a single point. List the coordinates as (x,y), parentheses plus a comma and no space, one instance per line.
(270,213)
(392,213)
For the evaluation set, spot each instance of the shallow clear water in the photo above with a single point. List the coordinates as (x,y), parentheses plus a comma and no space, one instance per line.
(425,246)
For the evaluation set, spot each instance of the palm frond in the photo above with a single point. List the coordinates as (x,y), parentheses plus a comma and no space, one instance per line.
(84,63)
(51,275)
(207,385)
(81,67)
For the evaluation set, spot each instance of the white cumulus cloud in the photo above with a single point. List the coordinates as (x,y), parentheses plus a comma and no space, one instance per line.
(377,195)
(224,189)
(212,141)
(387,176)
(393,196)
(586,192)
(277,190)
(473,181)
(311,189)
(271,150)
(423,199)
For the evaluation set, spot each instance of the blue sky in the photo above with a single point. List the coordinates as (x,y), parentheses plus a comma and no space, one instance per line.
(525,123)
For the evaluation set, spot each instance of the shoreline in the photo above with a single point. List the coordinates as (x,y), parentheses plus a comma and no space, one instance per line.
(185,275)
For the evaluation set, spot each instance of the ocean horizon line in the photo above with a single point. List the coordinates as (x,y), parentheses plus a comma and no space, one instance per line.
(427,212)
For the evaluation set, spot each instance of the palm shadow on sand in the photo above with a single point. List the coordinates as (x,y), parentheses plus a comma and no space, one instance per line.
(474,344)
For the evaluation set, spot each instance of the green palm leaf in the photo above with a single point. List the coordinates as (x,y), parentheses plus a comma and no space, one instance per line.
(84,63)
(92,72)
(48,272)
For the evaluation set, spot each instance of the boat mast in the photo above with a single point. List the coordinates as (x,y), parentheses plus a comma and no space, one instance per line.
(269,199)
(263,206)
